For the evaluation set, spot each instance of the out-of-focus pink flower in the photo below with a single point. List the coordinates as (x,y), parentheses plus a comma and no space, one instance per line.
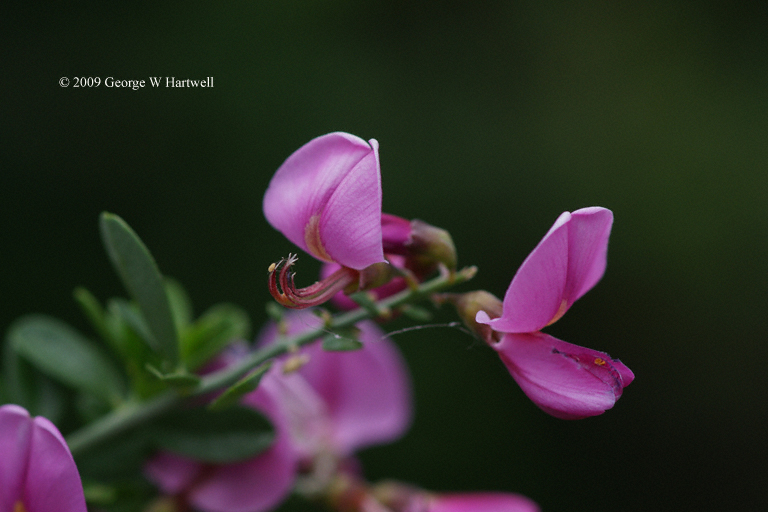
(326,198)
(336,403)
(565,380)
(479,502)
(400,497)
(252,485)
(37,471)
(365,393)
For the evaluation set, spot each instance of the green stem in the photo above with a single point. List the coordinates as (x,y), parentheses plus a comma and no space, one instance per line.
(133,414)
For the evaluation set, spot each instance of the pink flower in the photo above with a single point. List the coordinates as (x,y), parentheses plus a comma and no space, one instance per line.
(405,498)
(252,485)
(336,403)
(413,249)
(326,198)
(364,394)
(565,380)
(480,502)
(37,472)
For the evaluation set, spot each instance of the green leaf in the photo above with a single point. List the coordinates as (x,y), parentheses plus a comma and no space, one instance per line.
(124,320)
(64,354)
(95,314)
(213,331)
(141,277)
(181,305)
(131,316)
(219,437)
(342,341)
(27,387)
(234,393)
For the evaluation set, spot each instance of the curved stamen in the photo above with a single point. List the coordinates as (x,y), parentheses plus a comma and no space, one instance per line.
(283,288)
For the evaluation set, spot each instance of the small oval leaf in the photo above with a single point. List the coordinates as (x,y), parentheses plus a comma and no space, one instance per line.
(64,354)
(214,330)
(339,343)
(234,393)
(141,277)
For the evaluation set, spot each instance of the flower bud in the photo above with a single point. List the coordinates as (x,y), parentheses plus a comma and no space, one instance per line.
(431,245)
(468,304)
(424,246)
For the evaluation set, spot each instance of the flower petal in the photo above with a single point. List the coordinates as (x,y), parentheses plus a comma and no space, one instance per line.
(367,391)
(172,473)
(37,468)
(15,435)
(257,484)
(536,293)
(588,233)
(395,233)
(567,262)
(254,485)
(564,380)
(481,502)
(326,198)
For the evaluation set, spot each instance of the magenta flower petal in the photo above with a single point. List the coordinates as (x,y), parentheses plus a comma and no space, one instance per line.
(481,502)
(395,232)
(172,473)
(37,471)
(255,485)
(588,234)
(567,262)
(326,198)
(367,391)
(564,380)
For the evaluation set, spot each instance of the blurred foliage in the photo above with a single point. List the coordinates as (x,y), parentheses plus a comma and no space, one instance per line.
(492,120)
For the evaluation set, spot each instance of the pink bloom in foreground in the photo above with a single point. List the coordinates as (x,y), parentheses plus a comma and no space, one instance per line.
(37,472)
(326,198)
(564,380)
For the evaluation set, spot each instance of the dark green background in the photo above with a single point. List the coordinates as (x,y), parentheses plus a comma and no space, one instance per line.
(493,118)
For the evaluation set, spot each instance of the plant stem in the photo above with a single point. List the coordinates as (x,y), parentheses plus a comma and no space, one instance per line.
(134,413)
